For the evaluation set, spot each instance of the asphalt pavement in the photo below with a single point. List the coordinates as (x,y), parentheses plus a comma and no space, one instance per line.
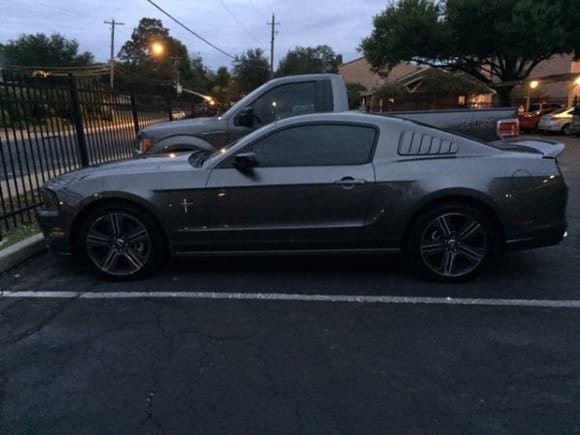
(294,345)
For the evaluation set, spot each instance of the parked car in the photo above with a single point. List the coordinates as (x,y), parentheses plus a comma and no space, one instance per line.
(557,122)
(177,114)
(575,127)
(529,120)
(318,182)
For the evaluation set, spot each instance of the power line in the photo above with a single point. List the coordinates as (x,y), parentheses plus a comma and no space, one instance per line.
(238,21)
(270,6)
(191,31)
(257,10)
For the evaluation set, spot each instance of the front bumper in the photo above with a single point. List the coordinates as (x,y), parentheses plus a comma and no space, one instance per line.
(55,231)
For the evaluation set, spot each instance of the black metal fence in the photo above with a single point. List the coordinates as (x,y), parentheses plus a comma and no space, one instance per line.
(53,125)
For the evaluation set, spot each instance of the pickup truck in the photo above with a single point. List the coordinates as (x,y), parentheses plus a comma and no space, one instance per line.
(295,95)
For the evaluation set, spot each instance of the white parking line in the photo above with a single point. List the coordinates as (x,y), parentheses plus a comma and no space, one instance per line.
(362,299)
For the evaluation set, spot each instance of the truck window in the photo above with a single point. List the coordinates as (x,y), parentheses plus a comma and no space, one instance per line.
(285,100)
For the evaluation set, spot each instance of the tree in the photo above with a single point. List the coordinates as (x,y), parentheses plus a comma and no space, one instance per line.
(138,57)
(251,69)
(42,50)
(308,60)
(496,41)
(220,87)
(354,93)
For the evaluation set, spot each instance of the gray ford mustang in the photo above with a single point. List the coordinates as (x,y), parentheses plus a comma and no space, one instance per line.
(321,182)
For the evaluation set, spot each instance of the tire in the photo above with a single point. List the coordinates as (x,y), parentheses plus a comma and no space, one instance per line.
(121,242)
(566,129)
(451,242)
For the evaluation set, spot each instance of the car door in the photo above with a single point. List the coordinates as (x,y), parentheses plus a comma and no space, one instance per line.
(312,188)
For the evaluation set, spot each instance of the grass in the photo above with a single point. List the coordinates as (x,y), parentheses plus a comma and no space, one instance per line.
(18,234)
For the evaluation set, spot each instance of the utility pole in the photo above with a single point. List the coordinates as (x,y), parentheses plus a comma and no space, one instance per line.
(113,23)
(274,32)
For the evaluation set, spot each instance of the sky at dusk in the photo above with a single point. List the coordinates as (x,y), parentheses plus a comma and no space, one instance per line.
(232,25)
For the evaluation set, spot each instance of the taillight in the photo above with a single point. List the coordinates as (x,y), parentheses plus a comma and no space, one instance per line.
(508,128)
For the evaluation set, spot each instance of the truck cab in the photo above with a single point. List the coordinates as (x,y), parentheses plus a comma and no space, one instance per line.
(276,99)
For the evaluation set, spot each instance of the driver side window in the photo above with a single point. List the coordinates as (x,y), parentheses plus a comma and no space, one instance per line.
(316,145)
(285,100)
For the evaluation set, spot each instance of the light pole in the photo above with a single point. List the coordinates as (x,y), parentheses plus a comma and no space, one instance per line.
(532,85)
(176,60)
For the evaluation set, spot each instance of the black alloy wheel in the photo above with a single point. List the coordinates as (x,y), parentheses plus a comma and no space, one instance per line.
(451,242)
(121,243)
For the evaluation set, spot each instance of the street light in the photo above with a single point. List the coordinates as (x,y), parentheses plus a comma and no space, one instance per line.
(533,85)
(157,48)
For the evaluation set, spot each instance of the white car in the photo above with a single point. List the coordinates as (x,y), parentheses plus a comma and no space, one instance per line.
(559,121)
(177,114)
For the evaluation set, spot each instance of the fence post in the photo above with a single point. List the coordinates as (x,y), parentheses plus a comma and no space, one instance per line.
(77,118)
(134,112)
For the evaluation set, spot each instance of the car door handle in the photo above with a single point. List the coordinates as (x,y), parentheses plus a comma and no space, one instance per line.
(349,182)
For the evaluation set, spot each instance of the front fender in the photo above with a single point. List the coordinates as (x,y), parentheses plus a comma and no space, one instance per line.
(180,143)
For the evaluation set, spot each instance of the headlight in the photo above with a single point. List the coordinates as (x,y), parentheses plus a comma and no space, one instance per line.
(49,199)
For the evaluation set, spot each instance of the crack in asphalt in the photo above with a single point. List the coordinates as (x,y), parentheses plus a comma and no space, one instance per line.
(165,352)
(36,328)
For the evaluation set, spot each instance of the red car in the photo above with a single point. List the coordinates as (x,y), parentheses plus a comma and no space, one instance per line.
(529,120)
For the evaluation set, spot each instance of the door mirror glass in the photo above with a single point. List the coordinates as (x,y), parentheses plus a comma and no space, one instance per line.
(245,161)
(246,117)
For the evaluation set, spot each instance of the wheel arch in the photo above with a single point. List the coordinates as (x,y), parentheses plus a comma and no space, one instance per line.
(456,197)
(182,142)
(115,200)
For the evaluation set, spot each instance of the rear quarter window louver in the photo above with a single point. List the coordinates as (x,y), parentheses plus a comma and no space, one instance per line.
(419,144)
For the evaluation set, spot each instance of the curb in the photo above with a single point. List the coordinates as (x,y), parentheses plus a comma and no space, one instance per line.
(21,251)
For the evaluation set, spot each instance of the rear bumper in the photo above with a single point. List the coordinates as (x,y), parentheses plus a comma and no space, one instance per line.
(538,238)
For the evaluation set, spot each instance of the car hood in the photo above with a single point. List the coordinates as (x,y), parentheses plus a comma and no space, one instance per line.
(186,126)
(153,164)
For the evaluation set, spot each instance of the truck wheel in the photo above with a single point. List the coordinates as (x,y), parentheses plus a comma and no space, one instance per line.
(450,242)
(121,242)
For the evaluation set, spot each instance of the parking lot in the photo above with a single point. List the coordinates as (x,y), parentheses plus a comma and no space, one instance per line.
(294,345)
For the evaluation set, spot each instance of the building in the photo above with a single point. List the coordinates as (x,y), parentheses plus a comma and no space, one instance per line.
(554,80)
(411,87)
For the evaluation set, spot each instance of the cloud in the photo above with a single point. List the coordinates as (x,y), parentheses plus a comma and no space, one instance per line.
(339,24)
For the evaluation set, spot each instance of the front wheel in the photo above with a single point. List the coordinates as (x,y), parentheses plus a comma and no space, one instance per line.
(451,242)
(121,243)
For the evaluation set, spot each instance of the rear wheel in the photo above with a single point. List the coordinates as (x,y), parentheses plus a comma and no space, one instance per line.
(451,242)
(121,242)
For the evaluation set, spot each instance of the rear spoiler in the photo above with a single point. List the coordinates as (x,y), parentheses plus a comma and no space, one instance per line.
(548,149)
(507,128)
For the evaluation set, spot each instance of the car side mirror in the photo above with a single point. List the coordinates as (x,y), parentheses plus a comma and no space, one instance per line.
(246,117)
(245,161)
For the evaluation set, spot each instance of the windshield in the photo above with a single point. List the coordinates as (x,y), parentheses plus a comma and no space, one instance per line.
(197,158)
